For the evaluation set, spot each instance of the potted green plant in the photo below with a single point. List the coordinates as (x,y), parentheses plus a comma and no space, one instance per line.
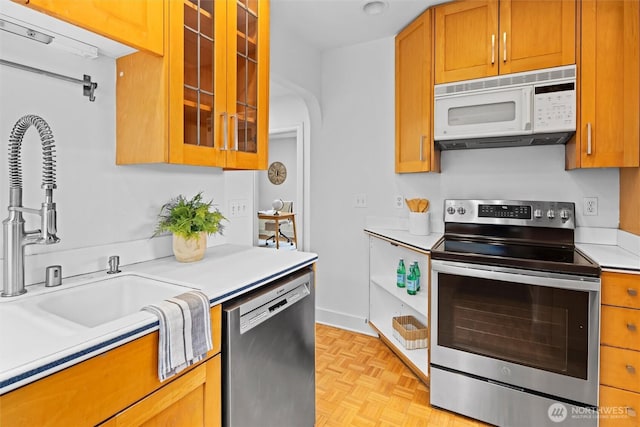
(190,221)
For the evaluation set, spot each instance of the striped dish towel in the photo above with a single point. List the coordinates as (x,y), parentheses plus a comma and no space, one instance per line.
(185,331)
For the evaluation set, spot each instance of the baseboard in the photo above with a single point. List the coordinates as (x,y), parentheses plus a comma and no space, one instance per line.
(344,321)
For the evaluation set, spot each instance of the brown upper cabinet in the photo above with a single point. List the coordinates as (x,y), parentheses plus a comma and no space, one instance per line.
(483,38)
(205,102)
(608,129)
(138,24)
(414,98)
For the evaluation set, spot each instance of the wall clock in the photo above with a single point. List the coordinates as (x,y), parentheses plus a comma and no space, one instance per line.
(277,173)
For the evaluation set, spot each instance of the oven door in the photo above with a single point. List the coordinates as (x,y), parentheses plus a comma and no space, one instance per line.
(534,331)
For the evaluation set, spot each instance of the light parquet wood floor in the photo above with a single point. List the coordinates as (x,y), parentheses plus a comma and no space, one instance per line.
(361,383)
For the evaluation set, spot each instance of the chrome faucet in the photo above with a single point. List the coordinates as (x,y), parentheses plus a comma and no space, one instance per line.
(15,236)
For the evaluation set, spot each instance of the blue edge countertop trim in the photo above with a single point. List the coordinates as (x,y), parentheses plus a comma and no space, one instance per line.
(114,340)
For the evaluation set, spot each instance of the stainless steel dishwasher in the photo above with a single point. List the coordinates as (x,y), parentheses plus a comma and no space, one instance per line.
(268,355)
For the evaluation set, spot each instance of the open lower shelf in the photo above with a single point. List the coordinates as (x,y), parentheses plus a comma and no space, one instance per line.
(418,357)
(388,283)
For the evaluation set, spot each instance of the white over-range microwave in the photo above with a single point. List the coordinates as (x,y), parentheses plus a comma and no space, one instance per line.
(532,108)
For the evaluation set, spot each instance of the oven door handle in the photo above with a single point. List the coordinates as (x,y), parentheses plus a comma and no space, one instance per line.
(528,277)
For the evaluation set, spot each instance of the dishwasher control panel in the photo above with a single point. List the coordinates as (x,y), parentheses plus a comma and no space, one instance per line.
(283,298)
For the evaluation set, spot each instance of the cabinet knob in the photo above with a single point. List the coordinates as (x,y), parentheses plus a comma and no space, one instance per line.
(631,412)
(632,292)
(631,327)
(630,369)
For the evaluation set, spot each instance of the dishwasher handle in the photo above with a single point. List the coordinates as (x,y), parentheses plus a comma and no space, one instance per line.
(277,305)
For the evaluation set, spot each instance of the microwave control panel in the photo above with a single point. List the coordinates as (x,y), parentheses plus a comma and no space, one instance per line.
(554,107)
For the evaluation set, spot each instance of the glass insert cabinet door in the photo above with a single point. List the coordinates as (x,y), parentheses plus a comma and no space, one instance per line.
(225,69)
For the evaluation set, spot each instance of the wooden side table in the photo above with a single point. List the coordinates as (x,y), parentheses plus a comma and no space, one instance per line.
(279,218)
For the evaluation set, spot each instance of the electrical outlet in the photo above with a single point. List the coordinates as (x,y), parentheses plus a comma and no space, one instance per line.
(360,200)
(398,201)
(590,206)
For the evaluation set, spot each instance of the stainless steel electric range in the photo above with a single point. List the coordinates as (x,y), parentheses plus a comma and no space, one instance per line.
(515,315)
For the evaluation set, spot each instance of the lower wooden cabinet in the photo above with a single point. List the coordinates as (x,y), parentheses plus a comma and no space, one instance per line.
(620,350)
(191,400)
(121,387)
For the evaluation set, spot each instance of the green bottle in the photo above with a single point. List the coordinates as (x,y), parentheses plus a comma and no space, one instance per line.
(402,274)
(411,281)
(417,273)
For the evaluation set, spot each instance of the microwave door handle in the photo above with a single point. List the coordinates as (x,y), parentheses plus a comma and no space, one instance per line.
(526,108)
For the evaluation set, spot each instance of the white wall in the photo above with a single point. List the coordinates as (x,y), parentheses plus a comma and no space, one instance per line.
(280,150)
(100,205)
(355,154)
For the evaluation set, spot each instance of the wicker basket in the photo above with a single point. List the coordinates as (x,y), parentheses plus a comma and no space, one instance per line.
(411,333)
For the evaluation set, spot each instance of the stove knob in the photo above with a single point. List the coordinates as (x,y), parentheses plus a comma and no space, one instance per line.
(537,213)
(461,210)
(451,210)
(551,214)
(564,214)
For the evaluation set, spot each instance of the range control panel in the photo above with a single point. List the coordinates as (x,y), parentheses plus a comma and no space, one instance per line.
(511,212)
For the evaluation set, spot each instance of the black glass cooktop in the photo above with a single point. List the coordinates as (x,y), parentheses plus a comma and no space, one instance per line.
(559,259)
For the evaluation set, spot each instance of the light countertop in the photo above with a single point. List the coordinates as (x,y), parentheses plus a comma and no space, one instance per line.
(611,256)
(606,255)
(35,344)
(423,243)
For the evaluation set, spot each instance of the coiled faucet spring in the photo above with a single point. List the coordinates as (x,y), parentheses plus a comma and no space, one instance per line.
(48,151)
(15,236)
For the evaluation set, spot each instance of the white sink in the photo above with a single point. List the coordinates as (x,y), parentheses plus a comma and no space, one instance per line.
(108,299)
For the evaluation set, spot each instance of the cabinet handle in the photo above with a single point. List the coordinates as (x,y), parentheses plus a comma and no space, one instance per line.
(225,131)
(504,48)
(421,148)
(631,369)
(632,292)
(589,139)
(493,49)
(235,134)
(631,327)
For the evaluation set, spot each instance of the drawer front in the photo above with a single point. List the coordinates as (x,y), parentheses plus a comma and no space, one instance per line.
(622,290)
(619,408)
(620,368)
(620,327)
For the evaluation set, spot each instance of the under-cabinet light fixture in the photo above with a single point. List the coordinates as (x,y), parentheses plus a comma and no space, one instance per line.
(25,32)
(76,47)
(57,41)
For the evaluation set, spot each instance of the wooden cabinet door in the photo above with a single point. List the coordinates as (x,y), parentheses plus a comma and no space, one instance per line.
(192,400)
(466,40)
(197,82)
(414,98)
(207,102)
(248,84)
(609,90)
(137,23)
(534,34)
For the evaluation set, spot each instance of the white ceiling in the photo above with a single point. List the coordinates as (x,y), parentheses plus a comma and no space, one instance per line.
(328,24)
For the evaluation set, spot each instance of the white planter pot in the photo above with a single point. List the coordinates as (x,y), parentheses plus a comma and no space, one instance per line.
(189,250)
